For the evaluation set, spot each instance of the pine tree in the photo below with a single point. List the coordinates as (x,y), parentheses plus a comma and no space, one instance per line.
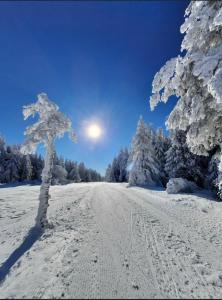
(74,173)
(161,146)
(26,168)
(180,162)
(144,168)
(82,172)
(108,173)
(11,166)
(122,163)
(2,158)
(59,175)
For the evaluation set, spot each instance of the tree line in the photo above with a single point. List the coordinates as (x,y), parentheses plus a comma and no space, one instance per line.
(153,159)
(18,167)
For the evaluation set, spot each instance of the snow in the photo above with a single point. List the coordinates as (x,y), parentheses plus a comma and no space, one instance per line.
(180,185)
(110,240)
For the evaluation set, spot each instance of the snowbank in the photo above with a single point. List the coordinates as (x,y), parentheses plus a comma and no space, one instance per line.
(181,185)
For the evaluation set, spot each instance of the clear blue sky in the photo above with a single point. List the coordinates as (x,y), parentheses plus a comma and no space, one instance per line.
(96,60)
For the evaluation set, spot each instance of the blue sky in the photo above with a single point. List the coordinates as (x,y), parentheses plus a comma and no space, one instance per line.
(96,60)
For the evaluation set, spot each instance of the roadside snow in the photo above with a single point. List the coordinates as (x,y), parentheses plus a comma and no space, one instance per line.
(181,185)
(113,241)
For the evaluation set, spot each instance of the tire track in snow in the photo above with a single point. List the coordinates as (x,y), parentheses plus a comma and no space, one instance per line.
(202,287)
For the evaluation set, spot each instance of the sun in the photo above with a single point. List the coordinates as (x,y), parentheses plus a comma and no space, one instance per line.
(94,131)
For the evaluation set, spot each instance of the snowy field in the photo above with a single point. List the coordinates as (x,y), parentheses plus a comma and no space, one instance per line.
(111,241)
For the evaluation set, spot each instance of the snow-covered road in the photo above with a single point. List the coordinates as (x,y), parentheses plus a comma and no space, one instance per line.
(111,241)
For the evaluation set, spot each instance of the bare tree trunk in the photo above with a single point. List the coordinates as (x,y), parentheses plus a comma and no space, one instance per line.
(41,219)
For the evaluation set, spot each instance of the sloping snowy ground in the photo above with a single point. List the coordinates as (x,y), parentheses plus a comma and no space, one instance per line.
(111,241)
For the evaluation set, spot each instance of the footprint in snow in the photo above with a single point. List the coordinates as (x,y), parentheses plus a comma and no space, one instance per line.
(135,286)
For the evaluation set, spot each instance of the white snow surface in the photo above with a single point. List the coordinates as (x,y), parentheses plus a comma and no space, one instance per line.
(113,241)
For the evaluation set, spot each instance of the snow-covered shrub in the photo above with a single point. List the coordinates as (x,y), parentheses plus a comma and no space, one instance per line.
(195,78)
(52,124)
(181,185)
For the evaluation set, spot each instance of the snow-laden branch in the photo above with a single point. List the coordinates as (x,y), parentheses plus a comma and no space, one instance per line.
(195,77)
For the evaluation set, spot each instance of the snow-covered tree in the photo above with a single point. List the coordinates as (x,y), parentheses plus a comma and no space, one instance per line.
(26,168)
(2,157)
(108,173)
(117,170)
(213,174)
(123,162)
(144,168)
(37,166)
(161,146)
(2,145)
(180,162)
(59,175)
(74,173)
(88,177)
(11,166)
(52,124)
(195,78)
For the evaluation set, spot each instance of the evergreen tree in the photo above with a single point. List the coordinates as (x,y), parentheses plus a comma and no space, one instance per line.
(82,172)
(161,145)
(108,173)
(59,175)
(26,168)
(122,164)
(74,173)
(144,168)
(180,162)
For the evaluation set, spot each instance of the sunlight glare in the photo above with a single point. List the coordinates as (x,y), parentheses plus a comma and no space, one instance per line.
(94,131)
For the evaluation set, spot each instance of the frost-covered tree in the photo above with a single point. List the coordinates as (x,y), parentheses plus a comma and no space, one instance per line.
(213,175)
(123,162)
(161,146)
(88,177)
(11,165)
(37,166)
(144,168)
(195,78)
(59,175)
(52,124)
(117,171)
(82,171)
(2,157)
(180,162)
(26,168)
(108,173)
(74,173)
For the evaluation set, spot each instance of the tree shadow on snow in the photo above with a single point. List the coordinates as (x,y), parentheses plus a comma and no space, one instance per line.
(33,235)
(206,195)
